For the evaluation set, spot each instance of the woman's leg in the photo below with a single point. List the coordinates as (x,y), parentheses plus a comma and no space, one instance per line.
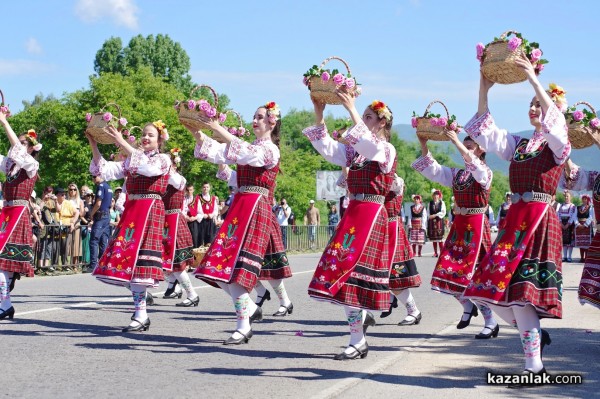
(5,280)
(528,323)
(186,284)
(284,300)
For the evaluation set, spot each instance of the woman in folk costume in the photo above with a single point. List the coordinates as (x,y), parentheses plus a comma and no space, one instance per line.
(403,273)
(177,239)
(521,274)
(238,255)
(273,269)
(133,256)
(355,267)
(580,179)
(584,226)
(418,224)
(503,211)
(16,237)
(435,220)
(567,215)
(469,238)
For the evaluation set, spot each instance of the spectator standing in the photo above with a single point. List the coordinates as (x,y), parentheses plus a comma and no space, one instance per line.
(74,243)
(228,202)
(312,220)
(119,194)
(332,219)
(85,222)
(209,209)
(344,202)
(67,215)
(282,213)
(191,205)
(100,221)
(115,216)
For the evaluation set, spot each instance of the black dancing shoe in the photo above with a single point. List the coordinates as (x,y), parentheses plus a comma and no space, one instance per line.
(545,340)
(140,326)
(257,315)
(491,332)
(524,384)
(241,340)
(189,302)
(15,277)
(361,351)
(464,323)
(171,292)
(286,310)
(411,320)
(265,297)
(388,312)
(149,299)
(369,322)
(10,313)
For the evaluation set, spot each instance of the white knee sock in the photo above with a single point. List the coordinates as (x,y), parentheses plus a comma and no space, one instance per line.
(467,307)
(138,292)
(406,298)
(241,301)
(488,316)
(186,284)
(505,313)
(355,318)
(5,279)
(279,289)
(528,323)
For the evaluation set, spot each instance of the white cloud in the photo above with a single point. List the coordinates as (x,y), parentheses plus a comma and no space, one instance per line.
(23,67)
(122,12)
(33,46)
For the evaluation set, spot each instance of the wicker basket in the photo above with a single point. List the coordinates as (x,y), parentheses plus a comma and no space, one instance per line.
(325,92)
(426,131)
(499,62)
(189,117)
(580,136)
(240,123)
(97,124)
(199,255)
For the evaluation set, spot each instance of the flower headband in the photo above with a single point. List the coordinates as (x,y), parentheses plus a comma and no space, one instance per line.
(162,129)
(31,136)
(557,94)
(381,110)
(273,110)
(175,156)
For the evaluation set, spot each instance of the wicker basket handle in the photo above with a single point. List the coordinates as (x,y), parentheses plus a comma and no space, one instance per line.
(214,93)
(586,104)
(114,105)
(333,57)
(135,127)
(439,102)
(2,95)
(230,111)
(508,32)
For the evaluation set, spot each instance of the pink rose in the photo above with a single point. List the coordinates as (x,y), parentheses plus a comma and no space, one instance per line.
(350,83)
(191,104)
(433,121)
(414,122)
(107,117)
(335,134)
(131,139)
(242,130)
(453,126)
(122,121)
(203,105)
(479,47)
(514,43)
(595,123)
(125,133)
(338,79)
(112,156)
(232,130)
(578,115)
(325,76)
(272,119)
(88,116)
(536,54)
(539,67)
(211,112)
(305,80)
(442,121)
(222,117)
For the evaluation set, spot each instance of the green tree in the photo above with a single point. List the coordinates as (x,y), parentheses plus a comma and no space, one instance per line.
(110,59)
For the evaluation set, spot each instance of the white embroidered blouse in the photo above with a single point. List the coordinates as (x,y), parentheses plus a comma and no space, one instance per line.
(432,170)
(17,159)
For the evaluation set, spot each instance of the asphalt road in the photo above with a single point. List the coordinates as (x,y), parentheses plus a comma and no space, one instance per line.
(66,342)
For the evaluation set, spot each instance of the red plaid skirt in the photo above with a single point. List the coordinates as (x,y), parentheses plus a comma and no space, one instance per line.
(373,262)
(589,286)
(404,273)
(184,256)
(17,255)
(583,236)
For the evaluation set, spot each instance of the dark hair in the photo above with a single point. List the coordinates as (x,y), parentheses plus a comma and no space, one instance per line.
(34,153)
(387,129)
(469,138)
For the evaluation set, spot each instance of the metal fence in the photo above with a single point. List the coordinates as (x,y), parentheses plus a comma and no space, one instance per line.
(57,247)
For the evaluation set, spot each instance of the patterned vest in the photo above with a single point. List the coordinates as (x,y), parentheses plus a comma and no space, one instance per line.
(258,176)
(365,177)
(535,171)
(139,184)
(19,187)
(173,198)
(467,192)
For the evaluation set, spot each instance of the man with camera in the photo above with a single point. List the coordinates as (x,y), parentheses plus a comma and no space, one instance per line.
(283,212)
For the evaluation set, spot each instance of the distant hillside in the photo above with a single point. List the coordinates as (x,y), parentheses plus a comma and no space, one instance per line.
(587,158)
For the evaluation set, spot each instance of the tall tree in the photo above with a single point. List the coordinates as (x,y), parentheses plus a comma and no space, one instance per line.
(110,57)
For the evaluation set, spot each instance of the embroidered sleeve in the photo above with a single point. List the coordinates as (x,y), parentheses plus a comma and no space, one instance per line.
(211,151)
(176,180)
(398,185)
(18,154)
(264,154)
(108,170)
(229,175)
(555,128)
(579,180)
(371,147)
(424,219)
(480,171)
(483,131)
(147,165)
(432,170)
(333,151)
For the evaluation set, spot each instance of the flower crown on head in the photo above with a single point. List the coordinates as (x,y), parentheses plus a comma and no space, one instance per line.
(174,153)
(162,129)
(273,109)
(381,109)
(31,136)
(557,94)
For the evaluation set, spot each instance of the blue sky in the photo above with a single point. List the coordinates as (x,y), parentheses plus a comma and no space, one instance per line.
(404,52)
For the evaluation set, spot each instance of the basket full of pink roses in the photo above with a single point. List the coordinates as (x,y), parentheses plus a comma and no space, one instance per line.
(189,110)
(323,83)
(582,123)
(498,57)
(98,122)
(433,126)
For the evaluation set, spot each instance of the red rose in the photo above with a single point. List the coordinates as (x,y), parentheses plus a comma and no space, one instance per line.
(31,133)
(271,105)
